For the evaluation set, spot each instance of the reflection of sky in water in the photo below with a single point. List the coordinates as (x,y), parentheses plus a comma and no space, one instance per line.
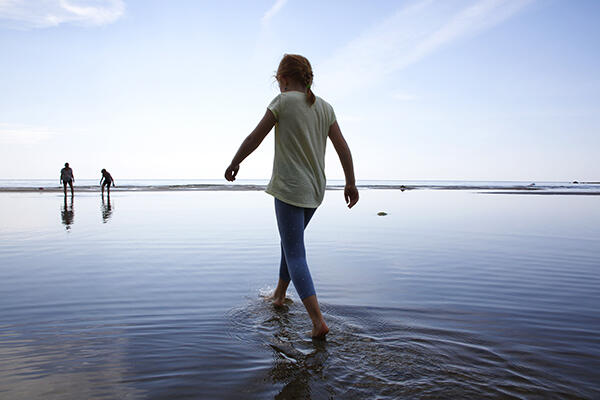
(165,295)
(75,372)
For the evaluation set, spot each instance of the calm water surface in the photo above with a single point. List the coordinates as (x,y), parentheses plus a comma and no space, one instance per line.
(453,294)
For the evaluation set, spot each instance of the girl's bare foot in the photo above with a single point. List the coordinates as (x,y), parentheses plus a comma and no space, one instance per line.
(320,330)
(278,301)
(279,293)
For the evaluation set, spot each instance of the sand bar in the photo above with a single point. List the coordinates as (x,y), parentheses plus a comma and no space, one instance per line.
(489,189)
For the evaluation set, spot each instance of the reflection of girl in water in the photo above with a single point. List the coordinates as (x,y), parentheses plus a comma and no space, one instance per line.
(303,122)
(107,181)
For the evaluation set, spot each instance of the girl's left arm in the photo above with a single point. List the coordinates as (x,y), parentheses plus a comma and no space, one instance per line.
(250,144)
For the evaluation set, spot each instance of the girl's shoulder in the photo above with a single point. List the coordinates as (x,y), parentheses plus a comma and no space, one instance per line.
(322,100)
(322,103)
(293,99)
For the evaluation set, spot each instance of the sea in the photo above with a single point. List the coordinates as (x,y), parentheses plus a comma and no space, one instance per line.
(431,289)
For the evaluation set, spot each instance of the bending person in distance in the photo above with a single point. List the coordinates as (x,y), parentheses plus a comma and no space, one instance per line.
(106,180)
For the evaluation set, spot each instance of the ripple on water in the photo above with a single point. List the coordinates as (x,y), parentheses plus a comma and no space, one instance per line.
(374,352)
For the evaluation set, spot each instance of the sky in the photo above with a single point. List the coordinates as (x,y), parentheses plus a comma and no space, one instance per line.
(422,89)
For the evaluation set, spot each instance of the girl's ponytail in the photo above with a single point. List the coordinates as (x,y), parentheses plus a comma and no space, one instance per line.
(310,96)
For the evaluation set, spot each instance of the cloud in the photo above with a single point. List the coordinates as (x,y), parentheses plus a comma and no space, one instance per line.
(30,14)
(271,12)
(409,35)
(24,134)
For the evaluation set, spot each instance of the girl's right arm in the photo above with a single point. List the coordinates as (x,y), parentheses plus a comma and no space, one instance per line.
(250,144)
(343,151)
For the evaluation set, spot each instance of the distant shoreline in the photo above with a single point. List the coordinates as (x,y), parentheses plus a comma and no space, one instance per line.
(571,189)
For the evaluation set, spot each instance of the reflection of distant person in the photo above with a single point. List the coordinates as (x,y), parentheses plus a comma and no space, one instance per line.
(66,177)
(106,210)
(106,180)
(67,213)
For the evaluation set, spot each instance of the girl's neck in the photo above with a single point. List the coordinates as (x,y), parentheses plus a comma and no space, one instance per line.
(294,87)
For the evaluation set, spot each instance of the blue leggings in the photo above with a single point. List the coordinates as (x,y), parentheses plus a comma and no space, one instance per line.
(292,221)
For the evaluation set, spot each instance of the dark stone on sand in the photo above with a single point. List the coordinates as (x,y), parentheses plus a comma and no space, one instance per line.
(381,213)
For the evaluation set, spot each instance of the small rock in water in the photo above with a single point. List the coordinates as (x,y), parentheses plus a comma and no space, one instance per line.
(381,213)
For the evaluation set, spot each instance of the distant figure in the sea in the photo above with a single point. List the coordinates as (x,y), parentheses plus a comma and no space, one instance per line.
(106,180)
(302,122)
(67,213)
(106,210)
(67,178)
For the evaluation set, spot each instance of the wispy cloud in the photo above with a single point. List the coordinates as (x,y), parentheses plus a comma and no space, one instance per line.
(24,134)
(28,14)
(271,12)
(408,36)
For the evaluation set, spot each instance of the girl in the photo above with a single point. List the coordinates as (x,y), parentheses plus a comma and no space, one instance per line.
(303,122)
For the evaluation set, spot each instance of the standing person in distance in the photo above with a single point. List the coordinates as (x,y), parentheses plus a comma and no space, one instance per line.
(108,179)
(67,178)
(303,122)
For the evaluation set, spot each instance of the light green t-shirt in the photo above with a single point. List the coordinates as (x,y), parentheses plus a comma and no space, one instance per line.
(300,137)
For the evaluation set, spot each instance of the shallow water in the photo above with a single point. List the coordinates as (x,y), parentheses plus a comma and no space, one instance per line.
(453,294)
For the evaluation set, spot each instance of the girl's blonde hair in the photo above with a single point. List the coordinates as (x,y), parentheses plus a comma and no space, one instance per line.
(297,67)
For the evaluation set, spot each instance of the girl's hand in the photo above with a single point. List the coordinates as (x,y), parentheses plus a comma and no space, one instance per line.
(231,172)
(351,195)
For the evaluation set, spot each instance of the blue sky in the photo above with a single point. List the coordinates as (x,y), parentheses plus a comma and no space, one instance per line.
(458,89)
